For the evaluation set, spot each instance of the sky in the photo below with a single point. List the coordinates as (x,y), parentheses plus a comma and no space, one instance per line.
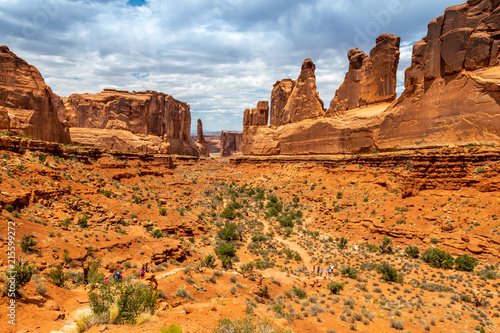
(219,56)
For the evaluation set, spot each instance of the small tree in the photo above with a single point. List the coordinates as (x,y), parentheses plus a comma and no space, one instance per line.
(57,276)
(228,233)
(412,251)
(386,246)
(438,258)
(17,278)
(465,263)
(351,272)
(27,242)
(335,287)
(389,273)
(342,243)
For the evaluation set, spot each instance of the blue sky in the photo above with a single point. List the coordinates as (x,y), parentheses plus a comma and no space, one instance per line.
(220,56)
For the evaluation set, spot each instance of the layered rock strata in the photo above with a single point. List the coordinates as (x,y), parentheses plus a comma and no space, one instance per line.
(130,119)
(27,105)
(201,142)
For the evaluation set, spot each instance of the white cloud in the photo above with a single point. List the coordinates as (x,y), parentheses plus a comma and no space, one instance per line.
(220,56)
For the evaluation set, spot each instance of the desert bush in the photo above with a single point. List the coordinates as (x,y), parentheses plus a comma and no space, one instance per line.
(209,261)
(389,273)
(247,325)
(412,251)
(386,246)
(228,233)
(351,272)
(21,274)
(335,287)
(27,242)
(465,263)
(157,233)
(171,329)
(57,276)
(300,293)
(398,324)
(131,299)
(342,243)
(438,258)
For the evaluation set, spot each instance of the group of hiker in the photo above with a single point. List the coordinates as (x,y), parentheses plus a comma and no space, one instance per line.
(116,276)
(327,270)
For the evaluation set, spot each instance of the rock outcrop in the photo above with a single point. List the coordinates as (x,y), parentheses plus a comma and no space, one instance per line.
(370,79)
(452,88)
(293,101)
(142,114)
(201,142)
(27,105)
(451,97)
(257,116)
(231,143)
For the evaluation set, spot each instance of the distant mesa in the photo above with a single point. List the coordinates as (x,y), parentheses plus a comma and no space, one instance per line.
(451,96)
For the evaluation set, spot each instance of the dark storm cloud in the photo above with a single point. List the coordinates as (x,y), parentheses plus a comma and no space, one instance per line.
(220,56)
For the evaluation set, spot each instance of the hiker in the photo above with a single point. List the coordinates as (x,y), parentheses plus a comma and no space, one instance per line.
(106,280)
(314,269)
(142,272)
(118,277)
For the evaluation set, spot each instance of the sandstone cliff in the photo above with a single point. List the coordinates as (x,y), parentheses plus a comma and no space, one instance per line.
(370,79)
(231,143)
(27,105)
(142,114)
(451,97)
(293,101)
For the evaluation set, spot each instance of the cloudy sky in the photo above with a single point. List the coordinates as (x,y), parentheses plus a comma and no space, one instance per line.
(220,56)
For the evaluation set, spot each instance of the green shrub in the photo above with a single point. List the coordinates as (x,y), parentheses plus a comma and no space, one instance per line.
(247,325)
(351,272)
(209,261)
(163,211)
(438,258)
(412,251)
(465,263)
(21,274)
(389,273)
(83,221)
(131,298)
(226,249)
(300,293)
(9,208)
(335,287)
(386,246)
(171,329)
(228,233)
(27,242)
(57,276)
(157,233)
(342,243)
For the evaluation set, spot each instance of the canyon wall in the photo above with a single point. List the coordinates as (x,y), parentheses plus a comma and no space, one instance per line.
(147,116)
(27,105)
(451,97)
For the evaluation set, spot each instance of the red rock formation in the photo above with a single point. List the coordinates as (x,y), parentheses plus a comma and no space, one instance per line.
(140,113)
(451,97)
(231,143)
(29,102)
(201,142)
(293,101)
(257,116)
(452,93)
(369,80)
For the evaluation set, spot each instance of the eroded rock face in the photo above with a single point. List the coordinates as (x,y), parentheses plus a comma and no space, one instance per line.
(30,104)
(451,97)
(141,113)
(293,101)
(257,116)
(231,143)
(370,79)
(201,142)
